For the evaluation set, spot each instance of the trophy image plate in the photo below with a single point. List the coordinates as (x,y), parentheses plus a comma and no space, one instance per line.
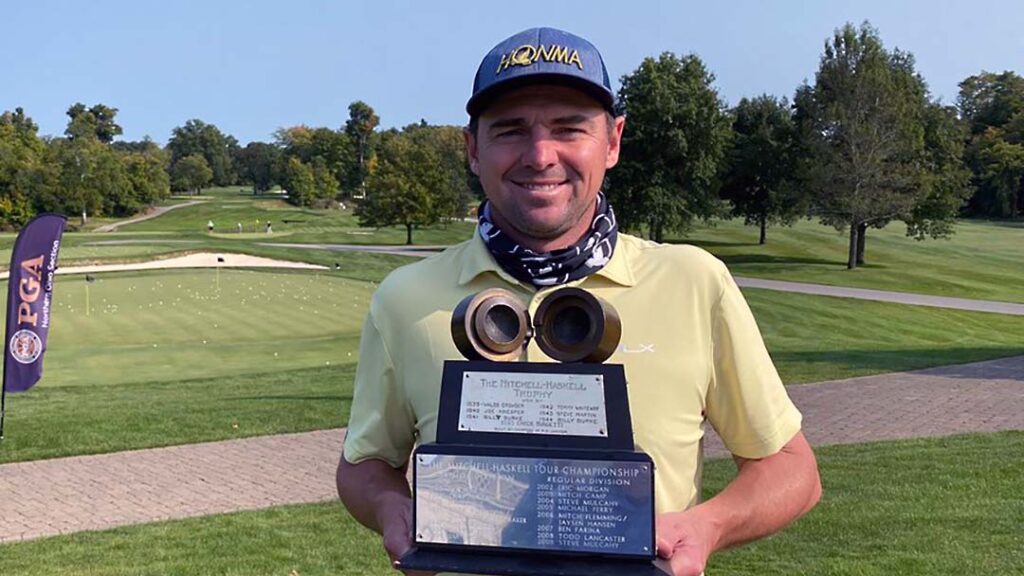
(534,470)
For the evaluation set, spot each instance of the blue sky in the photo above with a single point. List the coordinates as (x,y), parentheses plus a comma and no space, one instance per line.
(252,67)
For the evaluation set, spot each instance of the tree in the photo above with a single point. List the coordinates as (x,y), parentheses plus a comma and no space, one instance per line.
(1001,176)
(360,126)
(299,180)
(206,140)
(672,146)
(401,189)
(946,184)
(453,195)
(24,171)
(990,100)
(325,185)
(77,188)
(762,163)
(83,173)
(864,125)
(97,122)
(256,164)
(993,105)
(191,173)
(333,148)
(146,168)
(109,178)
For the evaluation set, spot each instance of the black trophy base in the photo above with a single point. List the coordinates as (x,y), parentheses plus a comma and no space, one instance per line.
(520,564)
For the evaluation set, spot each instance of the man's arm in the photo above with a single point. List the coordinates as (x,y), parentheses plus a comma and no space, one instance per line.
(765,496)
(378,496)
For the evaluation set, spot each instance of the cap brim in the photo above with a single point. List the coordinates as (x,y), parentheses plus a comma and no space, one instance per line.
(484,98)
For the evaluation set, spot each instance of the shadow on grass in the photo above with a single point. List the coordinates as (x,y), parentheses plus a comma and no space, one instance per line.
(945,362)
(286,397)
(708,244)
(732,259)
(1019,224)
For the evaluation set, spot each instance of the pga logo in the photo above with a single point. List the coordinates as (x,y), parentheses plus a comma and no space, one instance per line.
(25,346)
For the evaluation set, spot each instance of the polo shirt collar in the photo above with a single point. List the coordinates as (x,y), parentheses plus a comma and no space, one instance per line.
(477,260)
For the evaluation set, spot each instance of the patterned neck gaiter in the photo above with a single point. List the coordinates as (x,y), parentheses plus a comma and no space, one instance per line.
(581,259)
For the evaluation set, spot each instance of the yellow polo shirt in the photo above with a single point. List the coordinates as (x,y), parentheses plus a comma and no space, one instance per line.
(691,350)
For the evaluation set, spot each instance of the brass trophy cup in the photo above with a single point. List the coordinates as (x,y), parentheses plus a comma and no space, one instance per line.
(534,471)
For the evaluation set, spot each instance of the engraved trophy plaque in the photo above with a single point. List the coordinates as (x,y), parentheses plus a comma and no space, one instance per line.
(534,471)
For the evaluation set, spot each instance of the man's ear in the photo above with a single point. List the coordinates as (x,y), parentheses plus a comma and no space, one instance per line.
(614,140)
(471,151)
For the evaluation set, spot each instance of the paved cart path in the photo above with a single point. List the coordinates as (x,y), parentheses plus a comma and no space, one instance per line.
(147,216)
(1013,308)
(67,495)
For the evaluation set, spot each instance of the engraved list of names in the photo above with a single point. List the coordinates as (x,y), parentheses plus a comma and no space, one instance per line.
(519,402)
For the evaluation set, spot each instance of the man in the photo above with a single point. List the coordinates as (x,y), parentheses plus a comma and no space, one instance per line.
(542,134)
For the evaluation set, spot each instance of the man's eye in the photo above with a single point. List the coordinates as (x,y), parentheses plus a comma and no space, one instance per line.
(509,133)
(569,130)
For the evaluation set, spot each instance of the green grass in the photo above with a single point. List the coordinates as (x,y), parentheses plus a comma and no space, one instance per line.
(163,358)
(107,388)
(920,507)
(299,225)
(982,260)
(52,422)
(292,540)
(813,338)
(930,506)
(176,324)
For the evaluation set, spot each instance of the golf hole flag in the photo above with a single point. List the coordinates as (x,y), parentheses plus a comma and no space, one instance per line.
(29,293)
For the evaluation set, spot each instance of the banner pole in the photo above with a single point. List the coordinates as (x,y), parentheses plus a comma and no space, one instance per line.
(3,406)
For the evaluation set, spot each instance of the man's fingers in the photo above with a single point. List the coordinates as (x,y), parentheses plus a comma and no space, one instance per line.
(412,572)
(665,547)
(684,565)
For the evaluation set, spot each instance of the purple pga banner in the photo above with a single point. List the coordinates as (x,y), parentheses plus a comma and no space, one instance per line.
(29,293)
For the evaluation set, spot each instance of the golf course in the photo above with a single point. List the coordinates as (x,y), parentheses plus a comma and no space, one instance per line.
(142,359)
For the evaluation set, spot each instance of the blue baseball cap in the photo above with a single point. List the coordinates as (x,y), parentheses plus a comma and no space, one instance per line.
(541,56)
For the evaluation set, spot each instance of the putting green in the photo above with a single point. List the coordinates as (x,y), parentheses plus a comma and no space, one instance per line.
(180,324)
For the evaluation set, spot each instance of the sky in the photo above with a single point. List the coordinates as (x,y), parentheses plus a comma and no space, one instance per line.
(251,67)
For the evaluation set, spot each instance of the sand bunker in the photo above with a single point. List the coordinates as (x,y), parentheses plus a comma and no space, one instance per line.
(198,260)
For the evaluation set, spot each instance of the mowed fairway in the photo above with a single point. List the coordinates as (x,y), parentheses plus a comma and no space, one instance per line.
(289,223)
(815,338)
(983,260)
(167,358)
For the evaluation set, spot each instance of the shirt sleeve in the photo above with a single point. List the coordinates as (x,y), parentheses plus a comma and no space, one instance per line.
(381,425)
(747,403)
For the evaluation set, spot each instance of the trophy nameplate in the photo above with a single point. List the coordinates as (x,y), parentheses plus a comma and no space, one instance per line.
(534,470)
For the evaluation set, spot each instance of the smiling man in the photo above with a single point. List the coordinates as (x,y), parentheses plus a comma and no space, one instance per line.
(542,133)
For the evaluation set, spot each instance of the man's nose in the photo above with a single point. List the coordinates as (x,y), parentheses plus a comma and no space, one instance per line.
(541,152)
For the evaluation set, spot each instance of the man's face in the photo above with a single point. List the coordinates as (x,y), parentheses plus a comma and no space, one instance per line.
(541,153)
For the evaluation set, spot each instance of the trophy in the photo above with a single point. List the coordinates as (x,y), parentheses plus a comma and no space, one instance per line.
(534,470)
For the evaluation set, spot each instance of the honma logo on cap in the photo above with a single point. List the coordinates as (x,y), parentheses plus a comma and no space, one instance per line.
(527,54)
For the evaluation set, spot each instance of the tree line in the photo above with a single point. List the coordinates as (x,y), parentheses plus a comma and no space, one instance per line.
(863,145)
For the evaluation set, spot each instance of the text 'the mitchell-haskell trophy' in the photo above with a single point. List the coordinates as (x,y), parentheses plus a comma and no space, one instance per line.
(534,471)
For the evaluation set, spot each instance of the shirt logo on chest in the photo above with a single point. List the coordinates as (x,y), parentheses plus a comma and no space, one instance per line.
(640,349)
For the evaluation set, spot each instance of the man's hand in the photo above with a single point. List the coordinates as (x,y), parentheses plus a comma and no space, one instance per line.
(685,541)
(766,495)
(397,533)
(378,496)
